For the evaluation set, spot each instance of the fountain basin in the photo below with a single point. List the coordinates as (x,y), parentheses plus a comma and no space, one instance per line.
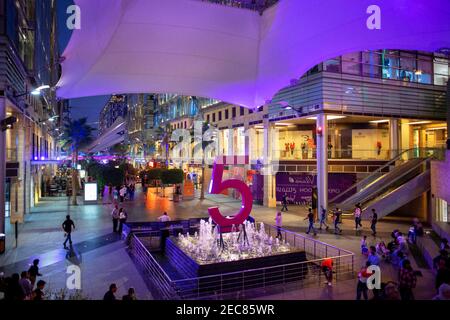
(215,278)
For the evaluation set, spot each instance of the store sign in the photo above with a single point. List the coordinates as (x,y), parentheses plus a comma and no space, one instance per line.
(299,186)
(90,191)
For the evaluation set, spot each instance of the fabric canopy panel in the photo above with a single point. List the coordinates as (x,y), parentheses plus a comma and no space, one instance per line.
(197,48)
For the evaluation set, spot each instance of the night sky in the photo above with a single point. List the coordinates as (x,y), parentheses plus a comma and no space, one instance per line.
(84,107)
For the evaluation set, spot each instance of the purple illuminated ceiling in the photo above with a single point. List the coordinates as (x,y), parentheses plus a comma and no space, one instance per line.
(199,48)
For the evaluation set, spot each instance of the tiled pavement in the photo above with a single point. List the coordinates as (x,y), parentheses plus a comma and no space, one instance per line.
(103,258)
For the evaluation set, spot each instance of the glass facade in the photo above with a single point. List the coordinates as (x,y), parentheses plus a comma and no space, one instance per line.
(408,66)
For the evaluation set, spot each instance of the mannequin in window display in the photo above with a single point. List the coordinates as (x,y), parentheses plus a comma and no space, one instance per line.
(292,146)
(286,148)
(304,150)
(379,148)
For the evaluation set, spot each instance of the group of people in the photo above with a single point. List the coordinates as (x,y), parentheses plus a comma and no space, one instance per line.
(119,218)
(124,192)
(337,219)
(23,286)
(110,295)
(358,218)
(441,266)
(395,252)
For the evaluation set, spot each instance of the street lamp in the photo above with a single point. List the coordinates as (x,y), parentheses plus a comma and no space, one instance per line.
(35,92)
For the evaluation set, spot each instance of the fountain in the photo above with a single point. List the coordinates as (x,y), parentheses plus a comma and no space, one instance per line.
(210,252)
(243,242)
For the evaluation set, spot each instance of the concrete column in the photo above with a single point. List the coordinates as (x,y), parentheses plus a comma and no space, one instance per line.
(231,134)
(269,176)
(2,166)
(393,137)
(322,161)
(21,186)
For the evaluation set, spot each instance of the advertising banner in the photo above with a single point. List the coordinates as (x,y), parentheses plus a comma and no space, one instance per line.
(299,186)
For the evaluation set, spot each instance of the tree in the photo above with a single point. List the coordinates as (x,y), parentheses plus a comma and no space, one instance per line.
(77,134)
(203,144)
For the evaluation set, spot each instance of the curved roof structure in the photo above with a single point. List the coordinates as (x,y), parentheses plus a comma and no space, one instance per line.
(198,48)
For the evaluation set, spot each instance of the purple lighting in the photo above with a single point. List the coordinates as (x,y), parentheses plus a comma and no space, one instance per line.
(234,55)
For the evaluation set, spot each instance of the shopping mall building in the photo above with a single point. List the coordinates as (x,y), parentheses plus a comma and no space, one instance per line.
(382,107)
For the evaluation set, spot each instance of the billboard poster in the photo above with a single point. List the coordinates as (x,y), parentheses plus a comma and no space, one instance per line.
(299,186)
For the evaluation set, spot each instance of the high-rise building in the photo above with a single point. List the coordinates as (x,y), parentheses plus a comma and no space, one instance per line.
(29,59)
(115,107)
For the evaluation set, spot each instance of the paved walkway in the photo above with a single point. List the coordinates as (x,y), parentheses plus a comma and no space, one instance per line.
(103,257)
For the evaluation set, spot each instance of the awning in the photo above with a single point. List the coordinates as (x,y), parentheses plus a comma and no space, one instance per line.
(234,55)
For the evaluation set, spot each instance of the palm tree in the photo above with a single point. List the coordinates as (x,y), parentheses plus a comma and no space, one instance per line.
(77,133)
(201,144)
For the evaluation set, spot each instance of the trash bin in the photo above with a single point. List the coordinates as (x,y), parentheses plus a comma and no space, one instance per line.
(2,243)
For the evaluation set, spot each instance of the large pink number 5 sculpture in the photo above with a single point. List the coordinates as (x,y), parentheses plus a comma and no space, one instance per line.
(217,186)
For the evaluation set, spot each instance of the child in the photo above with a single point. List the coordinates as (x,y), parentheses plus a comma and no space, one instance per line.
(364,249)
(382,250)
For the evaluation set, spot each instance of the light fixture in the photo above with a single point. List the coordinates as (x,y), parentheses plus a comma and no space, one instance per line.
(379,121)
(38,90)
(282,124)
(329,117)
(438,128)
(418,122)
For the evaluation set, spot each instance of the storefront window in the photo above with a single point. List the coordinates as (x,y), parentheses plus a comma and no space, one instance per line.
(371,64)
(390,65)
(424,69)
(441,71)
(351,63)
(332,65)
(441,210)
(408,66)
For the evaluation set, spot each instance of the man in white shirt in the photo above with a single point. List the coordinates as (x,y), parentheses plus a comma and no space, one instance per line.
(122,193)
(164,218)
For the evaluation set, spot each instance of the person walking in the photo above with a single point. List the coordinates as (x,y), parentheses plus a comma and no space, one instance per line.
(130,296)
(327,269)
(357,214)
(123,193)
(361,288)
(310,218)
(337,220)
(284,202)
(279,224)
(110,294)
(373,224)
(68,226)
(25,285)
(115,217)
(407,281)
(122,219)
(33,271)
(323,218)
